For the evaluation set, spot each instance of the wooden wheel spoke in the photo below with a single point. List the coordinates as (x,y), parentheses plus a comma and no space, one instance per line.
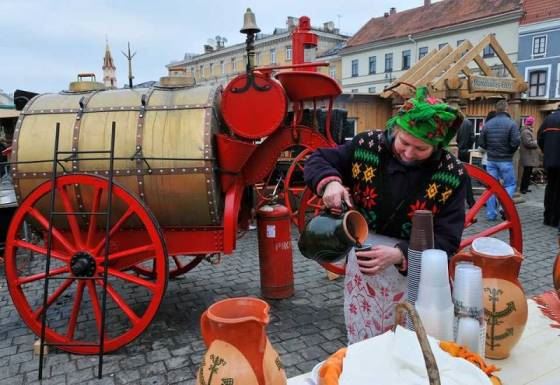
(72,219)
(93,216)
(95,305)
(75,310)
(41,250)
(125,259)
(133,279)
(121,303)
(177,261)
(39,276)
(114,229)
(55,232)
(57,293)
(473,211)
(487,232)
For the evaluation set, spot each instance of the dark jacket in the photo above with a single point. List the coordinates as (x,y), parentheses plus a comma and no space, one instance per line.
(448,221)
(549,140)
(465,139)
(500,138)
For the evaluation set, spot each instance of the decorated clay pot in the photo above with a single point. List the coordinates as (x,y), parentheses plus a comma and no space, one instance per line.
(329,237)
(505,305)
(239,351)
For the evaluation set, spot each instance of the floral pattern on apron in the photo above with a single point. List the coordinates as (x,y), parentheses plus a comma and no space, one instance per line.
(370,300)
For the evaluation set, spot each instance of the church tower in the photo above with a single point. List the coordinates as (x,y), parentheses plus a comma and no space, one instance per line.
(109,76)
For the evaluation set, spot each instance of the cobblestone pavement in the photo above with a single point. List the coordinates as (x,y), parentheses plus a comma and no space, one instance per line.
(304,329)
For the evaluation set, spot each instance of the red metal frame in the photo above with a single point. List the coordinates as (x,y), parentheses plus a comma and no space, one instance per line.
(512,223)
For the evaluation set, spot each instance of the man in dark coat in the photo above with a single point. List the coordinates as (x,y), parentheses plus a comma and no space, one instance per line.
(500,138)
(548,139)
(465,142)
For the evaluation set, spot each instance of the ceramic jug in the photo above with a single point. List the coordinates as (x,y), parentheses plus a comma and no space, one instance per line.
(329,236)
(505,305)
(239,351)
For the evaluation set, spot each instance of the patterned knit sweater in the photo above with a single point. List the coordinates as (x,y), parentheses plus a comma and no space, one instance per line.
(387,193)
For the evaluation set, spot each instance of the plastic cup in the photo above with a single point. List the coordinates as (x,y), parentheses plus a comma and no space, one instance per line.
(468,333)
(437,322)
(467,290)
(434,271)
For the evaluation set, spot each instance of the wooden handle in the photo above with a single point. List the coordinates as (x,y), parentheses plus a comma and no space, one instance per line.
(429,359)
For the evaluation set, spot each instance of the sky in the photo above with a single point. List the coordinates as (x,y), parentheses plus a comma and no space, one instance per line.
(44,44)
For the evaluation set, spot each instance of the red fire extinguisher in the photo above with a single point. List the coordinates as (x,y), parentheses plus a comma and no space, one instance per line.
(275,251)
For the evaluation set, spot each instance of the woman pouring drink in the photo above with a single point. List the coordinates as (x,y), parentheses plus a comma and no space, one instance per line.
(390,174)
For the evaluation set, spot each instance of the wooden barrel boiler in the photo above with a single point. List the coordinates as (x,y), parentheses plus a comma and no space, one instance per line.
(164,151)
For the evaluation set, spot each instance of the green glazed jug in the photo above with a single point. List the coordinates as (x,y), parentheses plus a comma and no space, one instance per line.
(329,236)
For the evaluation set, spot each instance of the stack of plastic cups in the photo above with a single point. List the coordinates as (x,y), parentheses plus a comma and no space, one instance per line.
(469,325)
(434,304)
(421,238)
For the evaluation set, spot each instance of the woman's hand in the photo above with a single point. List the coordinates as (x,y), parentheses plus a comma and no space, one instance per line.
(334,194)
(379,258)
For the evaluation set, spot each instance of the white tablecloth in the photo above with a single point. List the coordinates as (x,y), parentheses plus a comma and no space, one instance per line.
(535,360)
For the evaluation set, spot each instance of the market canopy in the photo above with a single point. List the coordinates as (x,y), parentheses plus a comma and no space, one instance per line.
(450,72)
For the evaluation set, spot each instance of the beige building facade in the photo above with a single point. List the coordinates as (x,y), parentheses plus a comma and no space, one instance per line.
(219,64)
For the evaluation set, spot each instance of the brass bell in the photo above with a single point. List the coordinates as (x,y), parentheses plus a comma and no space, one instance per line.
(249,23)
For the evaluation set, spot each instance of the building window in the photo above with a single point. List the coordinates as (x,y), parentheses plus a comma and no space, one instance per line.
(537,83)
(371,90)
(192,71)
(488,51)
(233,65)
(257,58)
(202,71)
(388,62)
(289,52)
(406,59)
(332,72)
(422,51)
(273,56)
(539,45)
(354,68)
(459,42)
(372,65)
(354,90)
(211,65)
(441,45)
(222,67)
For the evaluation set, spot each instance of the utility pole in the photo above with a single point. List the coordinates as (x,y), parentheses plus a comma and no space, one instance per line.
(129,58)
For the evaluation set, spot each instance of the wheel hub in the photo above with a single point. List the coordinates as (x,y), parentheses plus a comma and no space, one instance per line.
(82,264)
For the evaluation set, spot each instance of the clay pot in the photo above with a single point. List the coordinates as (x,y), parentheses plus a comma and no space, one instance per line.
(505,305)
(239,351)
(329,237)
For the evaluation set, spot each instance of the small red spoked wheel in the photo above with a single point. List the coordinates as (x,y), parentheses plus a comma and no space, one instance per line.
(178,265)
(78,251)
(311,205)
(511,221)
(293,185)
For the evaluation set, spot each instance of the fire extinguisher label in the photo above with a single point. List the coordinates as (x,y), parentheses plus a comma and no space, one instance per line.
(270,231)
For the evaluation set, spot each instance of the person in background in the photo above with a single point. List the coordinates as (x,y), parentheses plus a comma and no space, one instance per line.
(500,138)
(548,139)
(484,160)
(465,142)
(529,153)
(390,175)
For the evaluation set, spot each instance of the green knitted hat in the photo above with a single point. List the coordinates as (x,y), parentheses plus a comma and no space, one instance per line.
(427,118)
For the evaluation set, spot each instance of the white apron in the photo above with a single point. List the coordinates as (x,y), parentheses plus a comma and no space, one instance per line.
(370,300)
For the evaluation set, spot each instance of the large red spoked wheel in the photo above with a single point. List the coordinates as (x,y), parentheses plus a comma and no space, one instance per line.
(311,205)
(74,306)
